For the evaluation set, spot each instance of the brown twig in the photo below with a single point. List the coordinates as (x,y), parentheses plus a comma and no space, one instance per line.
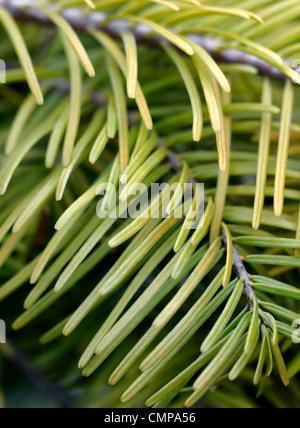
(27,10)
(241,271)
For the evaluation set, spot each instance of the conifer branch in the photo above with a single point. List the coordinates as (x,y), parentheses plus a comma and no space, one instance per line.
(27,11)
(241,271)
(61,398)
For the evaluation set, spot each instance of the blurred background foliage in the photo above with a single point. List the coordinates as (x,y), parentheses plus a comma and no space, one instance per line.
(259,111)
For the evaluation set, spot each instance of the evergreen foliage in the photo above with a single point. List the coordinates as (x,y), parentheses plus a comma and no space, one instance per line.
(153,91)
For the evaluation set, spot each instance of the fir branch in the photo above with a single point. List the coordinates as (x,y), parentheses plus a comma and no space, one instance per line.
(81,22)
